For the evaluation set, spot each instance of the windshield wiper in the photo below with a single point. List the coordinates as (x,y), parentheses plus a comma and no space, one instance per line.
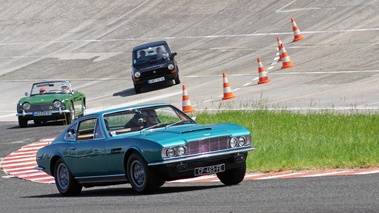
(175,123)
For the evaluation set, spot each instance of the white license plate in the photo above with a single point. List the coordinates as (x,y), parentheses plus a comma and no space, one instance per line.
(42,113)
(152,81)
(206,170)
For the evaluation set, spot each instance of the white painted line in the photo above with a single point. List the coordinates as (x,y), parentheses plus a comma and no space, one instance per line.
(277,176)
(324,174)
(366,173)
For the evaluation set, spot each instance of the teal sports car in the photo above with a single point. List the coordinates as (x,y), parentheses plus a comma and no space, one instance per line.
(50,101)
(145,146)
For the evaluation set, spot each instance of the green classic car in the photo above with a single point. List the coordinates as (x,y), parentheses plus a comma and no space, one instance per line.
(50,100)
(144,145)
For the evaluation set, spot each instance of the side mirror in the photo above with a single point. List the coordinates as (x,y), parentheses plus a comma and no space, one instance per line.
(26,94)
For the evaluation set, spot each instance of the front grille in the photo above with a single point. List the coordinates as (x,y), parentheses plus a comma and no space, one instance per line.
(41,107)
(156,73)
(207,145)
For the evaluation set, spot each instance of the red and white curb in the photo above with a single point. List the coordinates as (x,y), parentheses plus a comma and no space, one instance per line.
(21,164)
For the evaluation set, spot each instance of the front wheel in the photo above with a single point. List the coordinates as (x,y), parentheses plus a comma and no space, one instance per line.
(65,182)
(22,122)
(142,178)
(137,89)
(232,176)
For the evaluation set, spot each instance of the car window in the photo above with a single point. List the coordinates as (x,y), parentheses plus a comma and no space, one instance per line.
(99,134)
(86,129)
(149,54)
(71,133)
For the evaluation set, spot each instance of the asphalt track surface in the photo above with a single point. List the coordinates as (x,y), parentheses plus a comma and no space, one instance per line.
(90,42)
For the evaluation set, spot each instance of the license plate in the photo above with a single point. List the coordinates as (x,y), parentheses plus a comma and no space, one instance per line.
(42,113)
(156,80)
(206,170)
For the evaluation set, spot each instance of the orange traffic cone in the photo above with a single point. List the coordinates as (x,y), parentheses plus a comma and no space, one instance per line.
(186,102)
(262,74)
(279,48)
(286,62)
(227,90)
(296,31)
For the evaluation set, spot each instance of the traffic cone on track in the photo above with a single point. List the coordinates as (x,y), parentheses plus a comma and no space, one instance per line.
(186,102)
(286,62)
(296,31)
(227,90)
(279,48)
(262,74)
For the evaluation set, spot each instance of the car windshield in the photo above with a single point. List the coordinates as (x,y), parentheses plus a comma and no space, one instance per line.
(150,54)
(51,87)
(144,119)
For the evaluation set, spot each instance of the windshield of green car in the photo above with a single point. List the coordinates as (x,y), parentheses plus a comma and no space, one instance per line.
(52,87)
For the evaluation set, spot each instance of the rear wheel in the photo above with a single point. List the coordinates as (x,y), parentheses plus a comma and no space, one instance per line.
(65,182)
(71,116)
(232,176)
(142,178)
(22,122)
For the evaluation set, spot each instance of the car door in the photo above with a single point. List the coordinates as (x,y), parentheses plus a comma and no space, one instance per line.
(87,153)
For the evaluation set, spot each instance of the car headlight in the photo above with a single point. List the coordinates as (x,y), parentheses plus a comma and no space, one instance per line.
(170,152)
(137,74)
(181,150)
(170,66)
(233,142)
(241,141)
(26,106)
(57,104)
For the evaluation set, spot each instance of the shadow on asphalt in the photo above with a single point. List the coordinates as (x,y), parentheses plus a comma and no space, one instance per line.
(130,192)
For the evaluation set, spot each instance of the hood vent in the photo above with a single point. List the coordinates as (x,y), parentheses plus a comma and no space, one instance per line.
(195,130)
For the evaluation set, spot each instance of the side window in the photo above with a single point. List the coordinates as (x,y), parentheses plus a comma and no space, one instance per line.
(98,132)
(86,129)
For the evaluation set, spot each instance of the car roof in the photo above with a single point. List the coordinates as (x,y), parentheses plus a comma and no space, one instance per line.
(143,46)
(128,108)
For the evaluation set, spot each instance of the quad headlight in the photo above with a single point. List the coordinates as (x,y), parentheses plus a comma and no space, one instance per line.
(238,141)
(174,152)
(26,106)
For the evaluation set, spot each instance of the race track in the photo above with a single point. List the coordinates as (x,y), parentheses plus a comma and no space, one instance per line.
(89,43)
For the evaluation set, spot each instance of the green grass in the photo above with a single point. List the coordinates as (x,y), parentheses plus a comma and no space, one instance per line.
(286,140)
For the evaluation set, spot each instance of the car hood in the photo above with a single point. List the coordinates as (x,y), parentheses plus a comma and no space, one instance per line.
(175,135)
(45,98)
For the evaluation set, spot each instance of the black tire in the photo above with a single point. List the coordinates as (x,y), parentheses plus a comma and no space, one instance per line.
(177,80)
(137,89)
(22,122)
(37,122)
(232,176)
(65,182)
(142,178)
(71,116)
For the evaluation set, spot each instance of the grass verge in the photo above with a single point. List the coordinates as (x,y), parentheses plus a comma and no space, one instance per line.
(287,140)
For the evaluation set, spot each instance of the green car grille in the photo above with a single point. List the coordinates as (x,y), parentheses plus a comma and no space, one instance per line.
(41,107)
(207,145)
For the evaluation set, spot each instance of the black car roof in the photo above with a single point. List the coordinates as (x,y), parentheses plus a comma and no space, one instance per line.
(143,46)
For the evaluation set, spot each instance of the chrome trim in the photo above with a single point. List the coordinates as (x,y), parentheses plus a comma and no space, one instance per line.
(200,156)
(52,111)
(39,168)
